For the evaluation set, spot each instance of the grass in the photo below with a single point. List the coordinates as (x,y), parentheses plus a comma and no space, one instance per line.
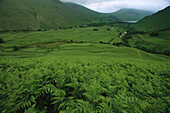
(75,39)
(68,70)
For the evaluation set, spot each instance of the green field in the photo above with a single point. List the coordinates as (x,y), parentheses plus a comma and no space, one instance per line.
(79,70)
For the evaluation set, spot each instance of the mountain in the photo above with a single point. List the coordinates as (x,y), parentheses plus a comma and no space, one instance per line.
(157,32)
(85,11)
(158,21)
(131,14)
(42,14)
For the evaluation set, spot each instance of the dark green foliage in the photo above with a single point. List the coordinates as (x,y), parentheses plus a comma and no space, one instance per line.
(101,42)
(95,30)
(108,29)
(83,86)
(1,40)
(15,48)
(154,34)
(71,41)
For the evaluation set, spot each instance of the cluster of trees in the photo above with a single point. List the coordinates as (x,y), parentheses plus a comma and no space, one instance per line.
(24,30)
(101,42)
(119,44)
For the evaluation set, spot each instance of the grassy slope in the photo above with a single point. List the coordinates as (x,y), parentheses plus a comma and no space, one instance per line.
(34,14)
(85,41)
(157,21)
(131,14)
(72,76)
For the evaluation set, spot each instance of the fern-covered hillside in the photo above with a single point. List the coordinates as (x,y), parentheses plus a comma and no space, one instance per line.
(77,84)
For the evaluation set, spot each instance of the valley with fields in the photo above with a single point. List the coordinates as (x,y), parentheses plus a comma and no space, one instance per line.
(61,57)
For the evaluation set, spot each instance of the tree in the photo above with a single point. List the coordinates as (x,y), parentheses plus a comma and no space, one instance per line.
(95,29)
(15,48)
(71,41)
(1,40)
(101,42)
(154,34)
(108,29)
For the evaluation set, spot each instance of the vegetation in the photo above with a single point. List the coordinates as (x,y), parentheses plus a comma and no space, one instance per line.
(93,68)
(15,48)
(131,14)
(53,14)
(83,84)
(79,70)
(1,40)
(154,36)
(45,14)
(153,23)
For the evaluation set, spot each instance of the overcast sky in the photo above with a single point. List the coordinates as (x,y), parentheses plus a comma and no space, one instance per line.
(114,5)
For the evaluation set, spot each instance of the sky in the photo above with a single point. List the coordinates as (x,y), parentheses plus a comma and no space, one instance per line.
(107,6)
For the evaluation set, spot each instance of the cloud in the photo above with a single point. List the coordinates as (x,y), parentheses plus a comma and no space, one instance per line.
(114,5)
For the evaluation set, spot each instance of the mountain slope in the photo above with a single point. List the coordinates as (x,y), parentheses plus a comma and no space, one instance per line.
(103,17)
(83,9)
(157,21)
(131,14)
(41,14)
(156,29)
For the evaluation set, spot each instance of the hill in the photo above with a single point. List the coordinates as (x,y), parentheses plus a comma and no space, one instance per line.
(152,34)
(42,14)
(157,21)
(70,71)
(131,14)
(84,10)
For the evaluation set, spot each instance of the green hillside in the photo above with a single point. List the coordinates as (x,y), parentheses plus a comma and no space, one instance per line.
(131,14)
(42,14)
(114,68)
(157,21)
(84,10)
(152,34)
(71,71)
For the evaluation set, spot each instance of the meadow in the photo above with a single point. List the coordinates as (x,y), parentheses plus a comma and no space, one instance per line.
(79,70)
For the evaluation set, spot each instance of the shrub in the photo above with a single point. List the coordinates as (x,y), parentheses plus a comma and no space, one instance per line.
(1,40)
(39,30)
(108,29)
(95,30)
(15,48)
(154,34)
(101,42)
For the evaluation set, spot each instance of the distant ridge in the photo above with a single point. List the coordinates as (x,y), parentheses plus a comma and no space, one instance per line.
(43,14)
(131,14)
(158,21)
